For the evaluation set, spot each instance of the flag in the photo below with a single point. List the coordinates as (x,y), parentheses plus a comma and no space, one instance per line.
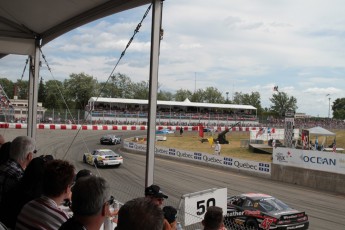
(260,132)
(201,131)
(334,146)
(210,140)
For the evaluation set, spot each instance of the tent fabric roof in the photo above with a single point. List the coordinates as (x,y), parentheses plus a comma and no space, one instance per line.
(320,131)
(171,103)
(22,21)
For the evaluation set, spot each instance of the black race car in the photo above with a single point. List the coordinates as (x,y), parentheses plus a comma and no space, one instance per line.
(261,211)
(110,139)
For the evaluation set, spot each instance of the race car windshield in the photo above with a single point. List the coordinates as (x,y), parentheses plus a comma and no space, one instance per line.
(103,153)
(272,205)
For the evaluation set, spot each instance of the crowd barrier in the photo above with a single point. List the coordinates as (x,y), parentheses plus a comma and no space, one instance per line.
(116,127)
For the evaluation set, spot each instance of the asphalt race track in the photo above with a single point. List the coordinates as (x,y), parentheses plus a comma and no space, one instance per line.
(326,211)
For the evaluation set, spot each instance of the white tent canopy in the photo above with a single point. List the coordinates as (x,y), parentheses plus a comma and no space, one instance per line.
(319,131)
(23,22)
(27,25)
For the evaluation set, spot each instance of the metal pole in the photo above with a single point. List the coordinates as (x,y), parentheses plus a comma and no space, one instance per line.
(153,86)
(33,90)
(329,107)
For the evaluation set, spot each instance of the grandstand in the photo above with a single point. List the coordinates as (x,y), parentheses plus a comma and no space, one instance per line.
(109,110)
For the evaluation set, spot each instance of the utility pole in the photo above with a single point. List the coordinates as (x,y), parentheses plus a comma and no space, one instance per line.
(194,82)
(227,96)
(329,107)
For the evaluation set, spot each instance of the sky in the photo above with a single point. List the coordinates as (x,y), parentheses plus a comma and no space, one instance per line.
(235,46)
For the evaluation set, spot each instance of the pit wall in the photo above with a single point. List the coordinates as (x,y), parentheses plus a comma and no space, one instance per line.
(280,171)
(316,169)
(117,127)
(261,169)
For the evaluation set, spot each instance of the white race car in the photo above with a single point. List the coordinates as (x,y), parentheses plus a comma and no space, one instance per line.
(103,157)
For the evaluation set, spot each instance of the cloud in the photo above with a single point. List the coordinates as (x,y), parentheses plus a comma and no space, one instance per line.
(234,46)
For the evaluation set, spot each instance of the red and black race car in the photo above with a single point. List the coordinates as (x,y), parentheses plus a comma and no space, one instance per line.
(261,211)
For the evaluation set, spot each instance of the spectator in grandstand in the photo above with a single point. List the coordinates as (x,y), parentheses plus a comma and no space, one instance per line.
(140,214)
(154,193)
(5,152)
(21,153)
(90,204)
(28,188)
(44,212)
(213,219)
(170,216)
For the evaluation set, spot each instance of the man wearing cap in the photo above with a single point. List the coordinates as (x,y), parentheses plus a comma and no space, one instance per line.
(155,194)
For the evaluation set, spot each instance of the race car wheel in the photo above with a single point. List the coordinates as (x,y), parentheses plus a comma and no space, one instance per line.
(84,159)
(96,162)
(252,224)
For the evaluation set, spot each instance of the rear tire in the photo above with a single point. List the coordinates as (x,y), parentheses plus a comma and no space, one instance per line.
(96,163)
(252,224)
(84,159)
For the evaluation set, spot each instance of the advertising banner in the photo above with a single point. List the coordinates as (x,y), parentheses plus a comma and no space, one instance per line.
(229,162)
(308,159)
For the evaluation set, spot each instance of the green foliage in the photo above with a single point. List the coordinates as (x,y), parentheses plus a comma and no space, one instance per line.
(42,94)
(54,95)
(253,99)
(282,103)
(79,88)
(338,108)
(22,89)
(183,94)
(8,87)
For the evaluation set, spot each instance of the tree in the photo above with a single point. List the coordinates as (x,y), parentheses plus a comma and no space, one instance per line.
(8,87)
(42,94)
(54,97)
(183,94)
(253,99)
(22,89)
(282,103)
(198,96)
(79,89)
(141,90)
(212,95)
(338,108)
(165,96)
(118,86)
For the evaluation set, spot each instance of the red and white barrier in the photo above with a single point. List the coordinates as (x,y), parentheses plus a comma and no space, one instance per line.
(115,127)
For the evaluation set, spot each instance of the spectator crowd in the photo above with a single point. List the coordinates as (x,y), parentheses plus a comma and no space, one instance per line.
(40,192)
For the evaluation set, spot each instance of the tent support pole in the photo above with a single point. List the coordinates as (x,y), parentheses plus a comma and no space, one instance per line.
(153,86)
(33,90)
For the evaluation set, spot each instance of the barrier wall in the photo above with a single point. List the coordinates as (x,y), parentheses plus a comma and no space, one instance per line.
(115,127)
(262,169)
(315,169)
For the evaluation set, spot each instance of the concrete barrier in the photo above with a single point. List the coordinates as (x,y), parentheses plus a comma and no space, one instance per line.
(326,181)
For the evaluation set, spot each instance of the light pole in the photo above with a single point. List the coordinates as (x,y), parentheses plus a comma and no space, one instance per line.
(227,96)
(329,107)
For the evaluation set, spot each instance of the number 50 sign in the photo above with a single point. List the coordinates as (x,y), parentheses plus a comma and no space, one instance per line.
(196,204)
